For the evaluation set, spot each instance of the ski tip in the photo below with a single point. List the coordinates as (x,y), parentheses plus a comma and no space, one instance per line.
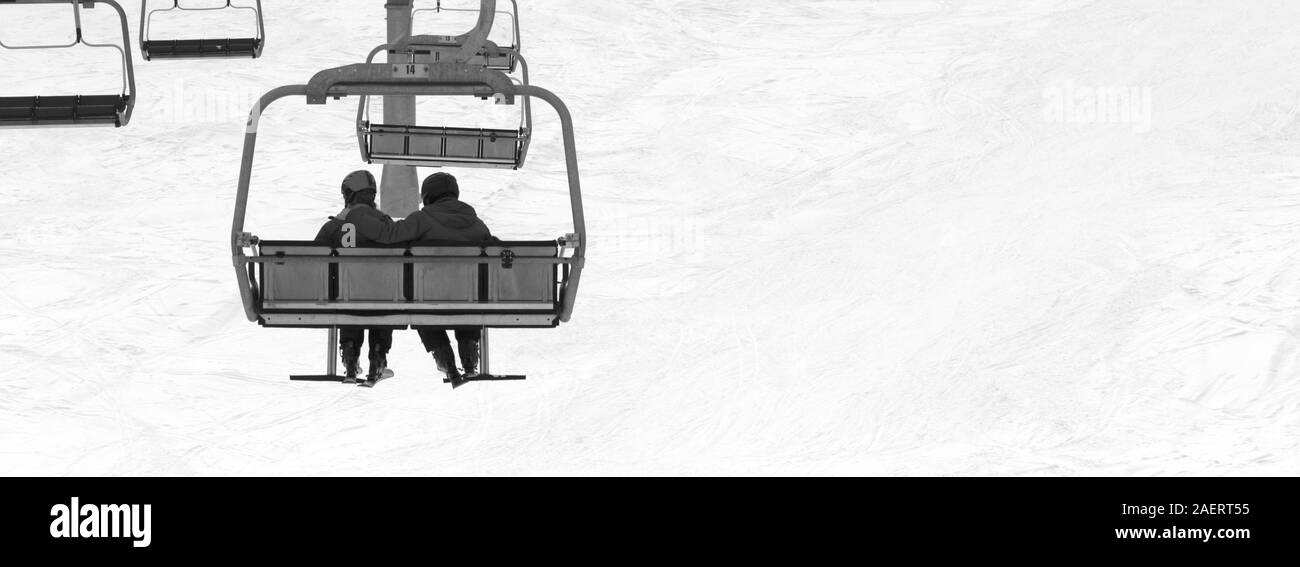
(370,382)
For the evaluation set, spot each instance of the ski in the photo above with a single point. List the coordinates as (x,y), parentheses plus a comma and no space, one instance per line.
(482,378)
(371,382)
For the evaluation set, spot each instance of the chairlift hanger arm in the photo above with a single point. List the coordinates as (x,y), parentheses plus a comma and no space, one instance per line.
(261,24)
(528,106)
(513,15)
(146,15)
(472,40)
(469,42)
(463,48)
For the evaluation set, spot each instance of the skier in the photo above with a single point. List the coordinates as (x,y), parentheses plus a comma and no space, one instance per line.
(444,217)
(359,191)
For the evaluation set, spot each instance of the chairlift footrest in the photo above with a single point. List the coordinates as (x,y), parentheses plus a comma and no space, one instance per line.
(492,378)
(319,378)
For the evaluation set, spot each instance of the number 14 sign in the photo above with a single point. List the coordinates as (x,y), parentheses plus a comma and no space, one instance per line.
(410,71)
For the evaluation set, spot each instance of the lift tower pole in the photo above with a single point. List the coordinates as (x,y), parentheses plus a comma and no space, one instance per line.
(399,186)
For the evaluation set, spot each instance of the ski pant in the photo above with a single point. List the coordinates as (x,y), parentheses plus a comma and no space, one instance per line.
(381,340)
(434,337)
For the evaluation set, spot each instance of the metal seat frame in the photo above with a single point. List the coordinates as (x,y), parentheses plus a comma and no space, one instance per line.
(71,110)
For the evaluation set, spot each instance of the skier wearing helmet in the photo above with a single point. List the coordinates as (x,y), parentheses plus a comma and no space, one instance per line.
(359,190)
(443,218)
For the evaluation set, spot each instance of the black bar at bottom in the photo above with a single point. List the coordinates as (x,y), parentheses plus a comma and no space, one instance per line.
(1250,520)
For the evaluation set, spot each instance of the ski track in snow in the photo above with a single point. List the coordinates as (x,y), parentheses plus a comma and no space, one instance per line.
(827,237)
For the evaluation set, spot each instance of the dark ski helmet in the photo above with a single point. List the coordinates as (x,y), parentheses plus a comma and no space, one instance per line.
(439,185)
(356,183)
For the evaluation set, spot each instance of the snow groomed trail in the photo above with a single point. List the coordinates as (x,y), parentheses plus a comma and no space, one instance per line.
(827,237)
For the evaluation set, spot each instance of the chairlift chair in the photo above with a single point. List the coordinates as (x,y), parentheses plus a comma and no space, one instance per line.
(73,110)
(449,146)
(200,48)
(487,285)
(443,146)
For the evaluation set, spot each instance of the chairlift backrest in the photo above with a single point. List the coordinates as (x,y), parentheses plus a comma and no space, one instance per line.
(377,283)
(73,110)
(298,282)
(500,284)
(205,48)
(444,283)
(521,282)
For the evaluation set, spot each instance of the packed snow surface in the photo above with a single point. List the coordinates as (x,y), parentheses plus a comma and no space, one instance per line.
(827,237)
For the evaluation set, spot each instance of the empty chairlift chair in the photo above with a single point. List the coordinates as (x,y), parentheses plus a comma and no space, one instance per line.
(72,110)
(482,285)
(447,146)
(441,146)
(250,47)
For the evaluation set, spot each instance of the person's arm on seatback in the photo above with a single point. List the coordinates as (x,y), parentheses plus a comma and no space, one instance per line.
(393,232)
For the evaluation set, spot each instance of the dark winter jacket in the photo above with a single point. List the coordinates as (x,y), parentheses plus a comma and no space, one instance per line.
(447,219)
(357,215)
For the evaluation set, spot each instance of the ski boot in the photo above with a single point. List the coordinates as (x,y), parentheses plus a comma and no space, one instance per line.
(469,357)
(378,369)
(351,363)
(443,357)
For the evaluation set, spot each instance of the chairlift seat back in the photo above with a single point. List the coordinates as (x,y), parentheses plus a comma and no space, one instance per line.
(446,283)
(201,48)
(438,147)
(295,283)
(373,291)
(77,110)
(370,282)
(522,283)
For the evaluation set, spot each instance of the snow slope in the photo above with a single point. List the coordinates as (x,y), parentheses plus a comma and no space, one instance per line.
(828,237)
